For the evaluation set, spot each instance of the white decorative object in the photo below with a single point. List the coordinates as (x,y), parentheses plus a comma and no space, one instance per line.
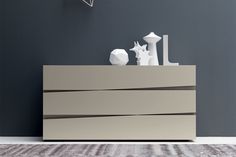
(165,52)
(142,54)
(89,2)
(119,57)
(152,39)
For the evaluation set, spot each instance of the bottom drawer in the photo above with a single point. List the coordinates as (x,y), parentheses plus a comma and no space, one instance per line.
(156,127)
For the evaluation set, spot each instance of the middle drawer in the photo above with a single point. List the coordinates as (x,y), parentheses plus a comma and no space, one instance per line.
(119,102)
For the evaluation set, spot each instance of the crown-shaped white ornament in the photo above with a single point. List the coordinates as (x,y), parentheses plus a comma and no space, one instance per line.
(142,54)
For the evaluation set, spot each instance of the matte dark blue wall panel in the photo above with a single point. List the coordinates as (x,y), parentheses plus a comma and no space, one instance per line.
(1,65)
(201,32)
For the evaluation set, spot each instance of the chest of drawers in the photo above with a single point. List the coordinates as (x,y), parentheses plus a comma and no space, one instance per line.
(119,103)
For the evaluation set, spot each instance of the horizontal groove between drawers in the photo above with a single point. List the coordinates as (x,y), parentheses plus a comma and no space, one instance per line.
(97,116)
(153,88)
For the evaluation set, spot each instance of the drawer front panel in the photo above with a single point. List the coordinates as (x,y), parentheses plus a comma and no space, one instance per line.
(175,127)
(116,77)
(119,102)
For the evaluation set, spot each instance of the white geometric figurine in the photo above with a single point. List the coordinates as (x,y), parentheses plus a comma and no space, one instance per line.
(142,54)
(152,39)
(119,57)
(165,52)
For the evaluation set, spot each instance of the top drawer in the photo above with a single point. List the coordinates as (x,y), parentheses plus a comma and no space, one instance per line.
(116,77)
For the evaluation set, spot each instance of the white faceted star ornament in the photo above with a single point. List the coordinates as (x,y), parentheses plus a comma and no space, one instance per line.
(89,2)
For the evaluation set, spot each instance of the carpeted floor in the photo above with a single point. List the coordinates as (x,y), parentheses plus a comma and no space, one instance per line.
(119,150)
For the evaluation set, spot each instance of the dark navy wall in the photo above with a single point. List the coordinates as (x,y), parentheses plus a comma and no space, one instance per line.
(37,32)
(1,65)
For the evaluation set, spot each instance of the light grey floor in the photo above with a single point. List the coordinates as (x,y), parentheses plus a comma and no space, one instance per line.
(117,150)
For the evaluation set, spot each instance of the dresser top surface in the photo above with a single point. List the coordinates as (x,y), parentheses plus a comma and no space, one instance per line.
(119,67)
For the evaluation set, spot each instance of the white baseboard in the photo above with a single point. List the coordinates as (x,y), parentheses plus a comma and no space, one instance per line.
(38,140)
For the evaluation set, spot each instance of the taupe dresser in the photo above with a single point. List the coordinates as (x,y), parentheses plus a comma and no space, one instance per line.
(119,103)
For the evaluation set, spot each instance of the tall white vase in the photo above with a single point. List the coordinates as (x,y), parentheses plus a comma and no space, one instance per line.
(152,40)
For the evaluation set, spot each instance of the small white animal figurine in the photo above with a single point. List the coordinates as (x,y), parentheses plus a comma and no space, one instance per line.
(119,57)
(142,54)
(152,39)
(165,52)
